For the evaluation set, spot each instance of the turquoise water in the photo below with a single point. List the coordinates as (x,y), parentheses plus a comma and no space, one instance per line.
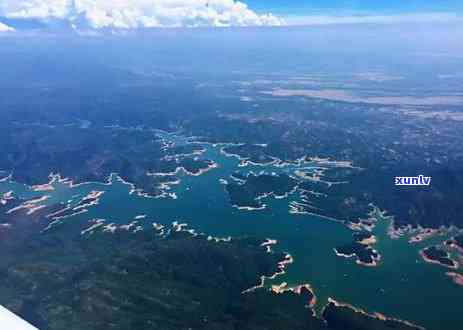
(402,286)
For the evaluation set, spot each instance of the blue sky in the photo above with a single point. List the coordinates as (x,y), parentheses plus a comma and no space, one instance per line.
(372,7)
(322,12)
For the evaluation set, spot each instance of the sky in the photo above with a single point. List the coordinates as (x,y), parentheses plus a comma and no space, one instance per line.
(318,12)
(142,14)
(360,6)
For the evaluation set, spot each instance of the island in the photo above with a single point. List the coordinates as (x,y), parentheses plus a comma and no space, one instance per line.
(246,192)
(434,254)
(361,248)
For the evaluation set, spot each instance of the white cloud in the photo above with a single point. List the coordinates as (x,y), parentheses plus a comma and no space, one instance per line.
(34,8)
(130,14)
(5,28)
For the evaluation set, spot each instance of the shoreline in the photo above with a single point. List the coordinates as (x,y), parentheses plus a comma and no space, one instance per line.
(283,287)
(437,262)
(30,205)
(456,277)
(376,315)
(281,267)
(374,263)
